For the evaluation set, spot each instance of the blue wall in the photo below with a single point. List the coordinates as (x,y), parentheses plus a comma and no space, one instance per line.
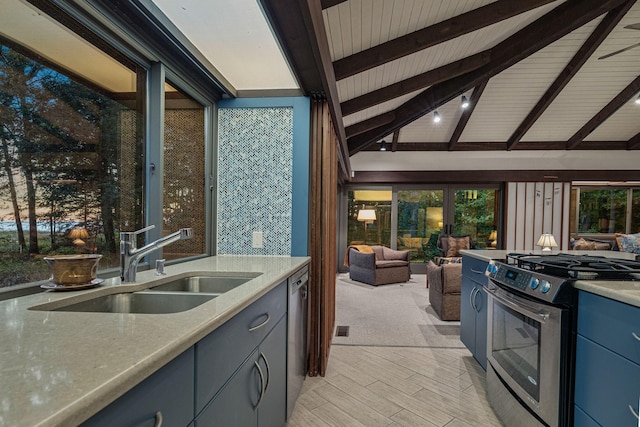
(263,175)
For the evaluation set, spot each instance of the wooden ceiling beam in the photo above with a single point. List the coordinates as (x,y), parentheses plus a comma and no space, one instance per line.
(601,32)
(554,25)
(326,4)
(394,143)
(421,81)
(634,142)
(466,114)
(433,35)
(620,99)
(493,176)
(299,28)
(372,123)
(502,146)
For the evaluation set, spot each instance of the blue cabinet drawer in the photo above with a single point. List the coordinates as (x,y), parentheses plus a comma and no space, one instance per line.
(222,352)
(581,419)
(474,268)
(611,324)
(607,385)
(168,391)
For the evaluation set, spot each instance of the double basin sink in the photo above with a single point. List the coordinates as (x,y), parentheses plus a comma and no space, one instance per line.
(171,296)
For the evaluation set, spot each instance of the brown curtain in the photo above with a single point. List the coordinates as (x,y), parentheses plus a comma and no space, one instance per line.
(324,185)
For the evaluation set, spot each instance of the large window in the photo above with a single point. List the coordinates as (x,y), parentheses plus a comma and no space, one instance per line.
(71,145)
(184,203)
(604,210)
(369,217)
(82,139)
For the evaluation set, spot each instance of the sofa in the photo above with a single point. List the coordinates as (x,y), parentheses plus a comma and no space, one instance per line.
(445,282)
(382,266)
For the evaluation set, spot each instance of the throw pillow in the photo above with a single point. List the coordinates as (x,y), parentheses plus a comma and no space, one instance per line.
(456,244)
(628,242)
(583,245)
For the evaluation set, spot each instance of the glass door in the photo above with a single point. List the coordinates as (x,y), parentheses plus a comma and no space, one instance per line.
(474,212)
(420,221)
(424,214)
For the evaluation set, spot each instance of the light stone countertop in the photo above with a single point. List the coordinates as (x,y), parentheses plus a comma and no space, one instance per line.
(59,368)
(623,291)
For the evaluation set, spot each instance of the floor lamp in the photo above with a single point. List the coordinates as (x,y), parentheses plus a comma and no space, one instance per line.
(367,216)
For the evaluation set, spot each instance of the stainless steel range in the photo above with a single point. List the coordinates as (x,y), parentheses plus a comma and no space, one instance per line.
(531,332)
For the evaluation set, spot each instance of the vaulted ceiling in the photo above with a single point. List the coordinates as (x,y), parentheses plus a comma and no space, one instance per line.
(539,74)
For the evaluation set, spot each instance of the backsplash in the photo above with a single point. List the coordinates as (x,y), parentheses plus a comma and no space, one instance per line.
(255,178)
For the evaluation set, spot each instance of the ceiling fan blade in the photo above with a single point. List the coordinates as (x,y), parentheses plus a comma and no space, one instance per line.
(635,26)
(619,51)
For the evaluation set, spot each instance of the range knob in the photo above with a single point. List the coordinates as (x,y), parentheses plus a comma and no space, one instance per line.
(545,286)
(492,269)
(534,283)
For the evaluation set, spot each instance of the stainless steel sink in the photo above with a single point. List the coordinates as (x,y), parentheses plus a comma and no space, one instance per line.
(210,284)
(140,302)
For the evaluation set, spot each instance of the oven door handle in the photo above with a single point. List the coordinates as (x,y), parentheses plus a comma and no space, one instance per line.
(519,305)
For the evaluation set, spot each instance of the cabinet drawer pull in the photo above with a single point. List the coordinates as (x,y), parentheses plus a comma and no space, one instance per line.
(266,364)
(635,336)
(477,271)
(253,328)
(472,299)
(261,375)
(158,419)
(635,414)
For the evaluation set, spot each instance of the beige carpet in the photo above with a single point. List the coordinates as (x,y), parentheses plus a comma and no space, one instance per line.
(391,315)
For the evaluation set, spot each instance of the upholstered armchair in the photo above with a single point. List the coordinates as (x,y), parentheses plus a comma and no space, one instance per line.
(445,283)
(381,267)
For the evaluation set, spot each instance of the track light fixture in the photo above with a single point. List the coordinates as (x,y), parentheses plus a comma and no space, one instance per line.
(383,146)
(436,117)
(638,100)
(464,103)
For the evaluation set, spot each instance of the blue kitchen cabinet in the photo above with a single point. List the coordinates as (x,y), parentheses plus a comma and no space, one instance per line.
(217,373)
(168,395)
(607,385)
(473,308)
(256,394)
(235,361)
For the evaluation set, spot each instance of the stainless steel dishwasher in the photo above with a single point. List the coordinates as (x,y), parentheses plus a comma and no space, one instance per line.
(298,336)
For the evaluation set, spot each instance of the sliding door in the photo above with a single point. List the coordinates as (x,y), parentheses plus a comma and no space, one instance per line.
(412,218)
(424,214)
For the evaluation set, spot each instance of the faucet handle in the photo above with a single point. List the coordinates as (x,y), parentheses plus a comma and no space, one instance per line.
(144,230)
(132,234)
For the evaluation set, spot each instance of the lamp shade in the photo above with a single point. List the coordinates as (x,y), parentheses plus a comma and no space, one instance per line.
(547,242)
(366,215)
(494,235)
(78,233)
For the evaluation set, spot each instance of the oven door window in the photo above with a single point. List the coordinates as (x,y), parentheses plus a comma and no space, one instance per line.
(516,347)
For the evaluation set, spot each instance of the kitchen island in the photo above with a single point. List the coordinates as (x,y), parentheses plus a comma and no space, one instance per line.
(606,336)
(59,368)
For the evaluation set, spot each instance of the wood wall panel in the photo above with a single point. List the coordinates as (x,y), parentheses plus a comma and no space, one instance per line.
(534,208)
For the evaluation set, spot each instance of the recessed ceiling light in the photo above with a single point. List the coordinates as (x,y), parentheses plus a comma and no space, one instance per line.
(436,117)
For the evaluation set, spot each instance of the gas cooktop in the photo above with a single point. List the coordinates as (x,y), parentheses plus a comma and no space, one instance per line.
(578,267)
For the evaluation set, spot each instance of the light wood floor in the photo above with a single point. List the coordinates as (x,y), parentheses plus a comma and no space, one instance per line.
(396,386)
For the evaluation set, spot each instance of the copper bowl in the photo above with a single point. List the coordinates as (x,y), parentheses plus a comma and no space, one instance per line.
(73,269)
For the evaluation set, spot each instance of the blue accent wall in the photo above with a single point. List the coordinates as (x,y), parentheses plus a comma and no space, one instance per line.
(263,175)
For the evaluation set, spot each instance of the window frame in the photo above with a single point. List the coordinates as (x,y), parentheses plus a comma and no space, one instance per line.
(157,47)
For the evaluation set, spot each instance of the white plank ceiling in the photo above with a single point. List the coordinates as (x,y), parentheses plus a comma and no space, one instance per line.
(355,25)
